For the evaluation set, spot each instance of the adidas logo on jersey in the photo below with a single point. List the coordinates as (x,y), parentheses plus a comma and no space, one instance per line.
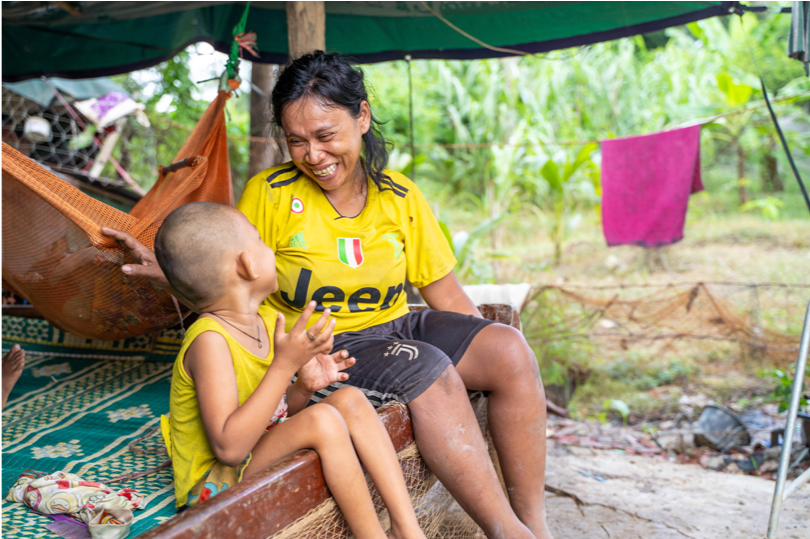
(298,241)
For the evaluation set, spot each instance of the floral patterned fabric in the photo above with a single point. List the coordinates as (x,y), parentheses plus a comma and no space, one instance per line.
(216,480)
(107,513)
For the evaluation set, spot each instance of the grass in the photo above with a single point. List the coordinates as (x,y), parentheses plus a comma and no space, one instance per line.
(652,385)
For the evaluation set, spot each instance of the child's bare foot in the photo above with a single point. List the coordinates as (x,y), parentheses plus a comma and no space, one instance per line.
(397,533)
(13,364)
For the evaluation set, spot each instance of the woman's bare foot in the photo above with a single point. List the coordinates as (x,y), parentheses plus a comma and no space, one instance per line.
(13,364)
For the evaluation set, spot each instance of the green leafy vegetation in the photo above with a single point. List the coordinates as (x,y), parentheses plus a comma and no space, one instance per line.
(618,406)
(784,385)
(171,82)
(643,375)
(495,135)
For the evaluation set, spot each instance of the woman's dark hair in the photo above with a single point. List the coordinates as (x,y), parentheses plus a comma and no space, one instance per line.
(334,81)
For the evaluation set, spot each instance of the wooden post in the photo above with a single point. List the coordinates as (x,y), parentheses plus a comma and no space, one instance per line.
(109,145)
(741,173)
(306,27)
(263,153)
(756,325)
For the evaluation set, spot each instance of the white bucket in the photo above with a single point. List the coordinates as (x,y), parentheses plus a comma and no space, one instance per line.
(37,129)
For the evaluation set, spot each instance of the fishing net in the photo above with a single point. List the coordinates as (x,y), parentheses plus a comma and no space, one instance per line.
(440,517)
(55,256)
(744,314)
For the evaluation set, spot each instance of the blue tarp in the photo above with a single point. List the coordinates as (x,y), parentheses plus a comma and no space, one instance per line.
(39,92)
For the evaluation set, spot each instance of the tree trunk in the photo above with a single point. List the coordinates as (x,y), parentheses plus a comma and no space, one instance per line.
(741,173)
(306,27)
(263,153)
(770,175)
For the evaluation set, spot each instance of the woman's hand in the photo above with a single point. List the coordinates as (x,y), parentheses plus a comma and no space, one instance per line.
(322,371)
(296,348)
(147,265)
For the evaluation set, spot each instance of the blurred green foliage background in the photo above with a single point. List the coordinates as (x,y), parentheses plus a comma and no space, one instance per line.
(516,139)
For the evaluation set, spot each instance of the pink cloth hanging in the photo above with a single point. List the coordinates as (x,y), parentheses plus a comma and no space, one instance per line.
(646,183)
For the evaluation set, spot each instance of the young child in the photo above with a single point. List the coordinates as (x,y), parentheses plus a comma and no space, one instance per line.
(234,369)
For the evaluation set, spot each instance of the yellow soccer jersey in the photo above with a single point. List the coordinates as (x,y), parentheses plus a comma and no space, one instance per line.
(354,266)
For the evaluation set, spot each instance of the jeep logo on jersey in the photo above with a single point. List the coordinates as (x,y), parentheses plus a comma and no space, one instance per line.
(329,296)
(350,252)
(297,206)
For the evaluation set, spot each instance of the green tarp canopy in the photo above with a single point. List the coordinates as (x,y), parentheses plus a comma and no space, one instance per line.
(107,38)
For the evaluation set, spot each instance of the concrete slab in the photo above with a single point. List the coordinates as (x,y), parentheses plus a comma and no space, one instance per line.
(648,498)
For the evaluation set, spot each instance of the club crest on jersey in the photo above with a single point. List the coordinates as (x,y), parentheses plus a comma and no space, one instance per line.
(391,237)
(297,205)
(350,252)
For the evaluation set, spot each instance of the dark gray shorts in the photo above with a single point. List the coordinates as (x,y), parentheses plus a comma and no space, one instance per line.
(400,359)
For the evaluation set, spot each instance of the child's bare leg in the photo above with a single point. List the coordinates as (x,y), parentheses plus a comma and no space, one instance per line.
(13,364)
(323,429)
(377,454)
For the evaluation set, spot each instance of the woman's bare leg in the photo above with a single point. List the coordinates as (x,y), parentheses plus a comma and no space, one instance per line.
(13,364)
(323,429)
(453,447)
(501,362)
(377,454)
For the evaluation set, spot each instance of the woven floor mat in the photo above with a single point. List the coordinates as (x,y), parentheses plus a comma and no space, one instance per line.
(79,415)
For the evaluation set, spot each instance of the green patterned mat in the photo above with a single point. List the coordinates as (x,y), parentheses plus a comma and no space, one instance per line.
(38,336)
(78,414)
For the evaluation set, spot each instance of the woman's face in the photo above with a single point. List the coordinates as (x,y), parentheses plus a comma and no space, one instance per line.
(325,141)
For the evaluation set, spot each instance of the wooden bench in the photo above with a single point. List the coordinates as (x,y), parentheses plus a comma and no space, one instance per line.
(279,495)
(25,311)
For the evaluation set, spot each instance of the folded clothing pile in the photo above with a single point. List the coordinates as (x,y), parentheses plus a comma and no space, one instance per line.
(107,513)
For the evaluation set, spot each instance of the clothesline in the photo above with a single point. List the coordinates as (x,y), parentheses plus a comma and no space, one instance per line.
(480,145)
(594,141)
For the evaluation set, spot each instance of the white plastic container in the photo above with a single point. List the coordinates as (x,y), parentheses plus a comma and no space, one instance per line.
(37,129)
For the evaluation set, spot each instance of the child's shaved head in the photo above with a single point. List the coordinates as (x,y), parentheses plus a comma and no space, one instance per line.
(193,246)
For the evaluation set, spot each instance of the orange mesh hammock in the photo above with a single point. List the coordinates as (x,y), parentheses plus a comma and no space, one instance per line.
(55,256)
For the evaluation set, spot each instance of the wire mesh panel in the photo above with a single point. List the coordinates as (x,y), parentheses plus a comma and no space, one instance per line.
(73,149)
(56,151)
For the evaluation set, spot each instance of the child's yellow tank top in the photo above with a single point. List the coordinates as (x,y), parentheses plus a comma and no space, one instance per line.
(183,430)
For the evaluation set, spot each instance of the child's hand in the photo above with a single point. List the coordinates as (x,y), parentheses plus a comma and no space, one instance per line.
(299,346)
(324,370)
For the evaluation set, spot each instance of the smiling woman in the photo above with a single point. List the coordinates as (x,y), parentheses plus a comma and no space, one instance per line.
(324,145)
(347,233)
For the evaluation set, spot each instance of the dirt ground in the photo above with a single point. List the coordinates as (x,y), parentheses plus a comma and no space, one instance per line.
(648,498)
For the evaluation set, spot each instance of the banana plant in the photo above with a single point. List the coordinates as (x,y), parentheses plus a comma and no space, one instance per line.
(488,130)
(749,134)
(465,245)
(769,206)
(567,183)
